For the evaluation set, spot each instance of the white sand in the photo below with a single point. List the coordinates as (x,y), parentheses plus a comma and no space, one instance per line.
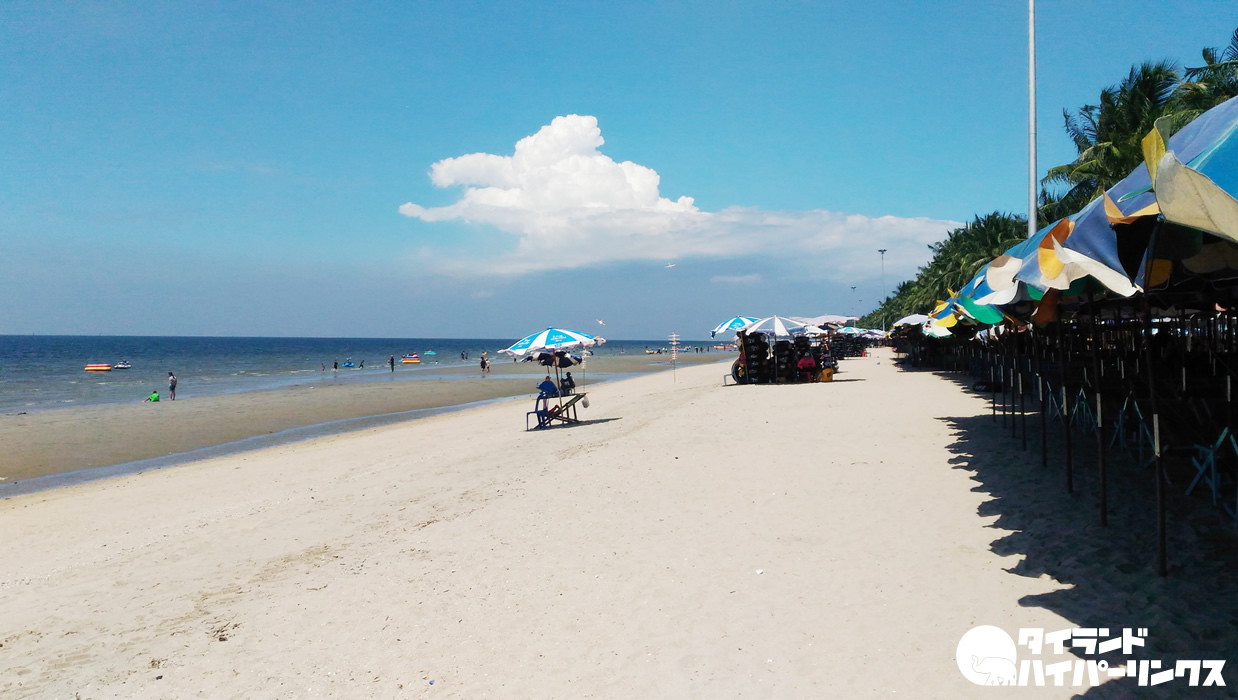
(611,559)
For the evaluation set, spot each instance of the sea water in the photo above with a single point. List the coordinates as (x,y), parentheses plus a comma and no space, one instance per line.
(42,372)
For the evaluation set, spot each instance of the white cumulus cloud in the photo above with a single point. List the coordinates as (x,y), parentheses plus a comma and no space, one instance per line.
(568,205)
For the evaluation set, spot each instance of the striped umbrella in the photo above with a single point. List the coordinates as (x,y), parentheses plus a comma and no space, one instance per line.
(781,326)
(552,339)
(732,325)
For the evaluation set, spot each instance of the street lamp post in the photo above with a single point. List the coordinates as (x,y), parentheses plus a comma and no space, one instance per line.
(883,288)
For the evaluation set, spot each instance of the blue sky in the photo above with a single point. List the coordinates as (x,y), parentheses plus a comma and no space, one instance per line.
(241,169)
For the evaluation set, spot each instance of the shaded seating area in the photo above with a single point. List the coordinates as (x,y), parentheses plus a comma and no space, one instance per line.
(548,409)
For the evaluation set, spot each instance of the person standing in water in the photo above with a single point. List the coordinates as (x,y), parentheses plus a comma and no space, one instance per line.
(392,363)
(171,386)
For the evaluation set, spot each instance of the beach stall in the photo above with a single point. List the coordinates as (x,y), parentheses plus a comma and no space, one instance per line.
(779,350)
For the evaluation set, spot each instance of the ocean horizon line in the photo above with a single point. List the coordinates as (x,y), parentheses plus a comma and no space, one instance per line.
(681,338)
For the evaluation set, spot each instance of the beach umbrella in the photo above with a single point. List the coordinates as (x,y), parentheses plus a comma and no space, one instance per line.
(557,359)
(912,320)
(552,339)
(731,325)
(781,326)
(1084,245)
(824,319)
(1188,181)
(1194,179)
(984,313)
(1195,175)
(997,284)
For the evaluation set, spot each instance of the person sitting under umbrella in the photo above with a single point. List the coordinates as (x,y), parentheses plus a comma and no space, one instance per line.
(547,388)
(807,366)
(568,385)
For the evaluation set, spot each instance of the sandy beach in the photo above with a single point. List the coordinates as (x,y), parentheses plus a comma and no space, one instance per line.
(70,439)
(686,540)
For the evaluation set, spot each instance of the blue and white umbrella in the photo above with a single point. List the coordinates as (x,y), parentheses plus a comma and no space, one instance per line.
(781,326)
(732,325)
(552,339)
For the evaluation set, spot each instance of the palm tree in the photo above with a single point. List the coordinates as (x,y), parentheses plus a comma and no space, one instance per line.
(1108,135)
(1211,84)
(955,261)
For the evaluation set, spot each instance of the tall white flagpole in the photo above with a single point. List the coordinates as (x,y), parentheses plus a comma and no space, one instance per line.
(1032,199)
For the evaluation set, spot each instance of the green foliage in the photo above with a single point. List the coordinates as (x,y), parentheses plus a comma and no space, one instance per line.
(1108,137)
(955,261)
(1211,84)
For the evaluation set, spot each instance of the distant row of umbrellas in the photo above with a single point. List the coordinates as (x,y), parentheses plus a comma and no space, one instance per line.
(785,326)
(550,346)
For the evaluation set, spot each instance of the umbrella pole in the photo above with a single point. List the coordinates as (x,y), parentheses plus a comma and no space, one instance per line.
(1162,567)
(1061,358)
(993,374)
(1100,423)
(1005,375)
(1040,389)
(1024,366)
(1011,349)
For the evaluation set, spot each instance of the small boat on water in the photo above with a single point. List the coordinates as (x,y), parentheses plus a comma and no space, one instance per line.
(431,352)
(410,359)
(99,367)
(348,362)
(123,364)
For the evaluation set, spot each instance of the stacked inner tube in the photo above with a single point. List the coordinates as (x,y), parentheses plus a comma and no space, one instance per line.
(757,364)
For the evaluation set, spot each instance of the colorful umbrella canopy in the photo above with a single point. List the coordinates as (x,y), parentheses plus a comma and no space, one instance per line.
(552,339)
(999,284)
(733,324)
(1190,182)
(1195,176)
(983,313)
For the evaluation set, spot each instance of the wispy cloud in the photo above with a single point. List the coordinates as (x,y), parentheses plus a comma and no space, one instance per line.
(239,166)
(568,205)
(736,279)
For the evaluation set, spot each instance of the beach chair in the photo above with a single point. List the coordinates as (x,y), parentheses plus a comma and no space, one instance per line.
(541,409)
(564,412)
(1205,463)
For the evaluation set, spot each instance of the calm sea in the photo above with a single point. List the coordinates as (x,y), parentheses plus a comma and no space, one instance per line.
(41,372)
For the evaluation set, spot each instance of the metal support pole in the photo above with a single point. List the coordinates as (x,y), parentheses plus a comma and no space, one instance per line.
(1040,389)
(1162,565)
(1100,423)
(1061,358)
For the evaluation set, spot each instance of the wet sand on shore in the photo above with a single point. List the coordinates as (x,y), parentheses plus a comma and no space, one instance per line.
(72,439)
